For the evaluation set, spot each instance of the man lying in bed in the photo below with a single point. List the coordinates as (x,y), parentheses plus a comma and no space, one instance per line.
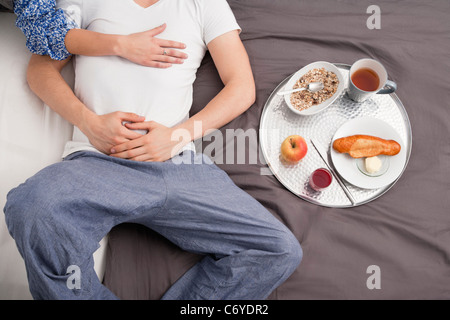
(112,174)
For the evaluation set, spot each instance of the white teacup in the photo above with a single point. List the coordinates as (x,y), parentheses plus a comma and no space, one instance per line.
(385,86)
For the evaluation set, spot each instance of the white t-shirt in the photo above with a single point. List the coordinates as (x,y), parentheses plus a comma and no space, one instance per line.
(110,83)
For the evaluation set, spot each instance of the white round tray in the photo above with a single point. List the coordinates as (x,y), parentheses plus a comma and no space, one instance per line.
(278,122)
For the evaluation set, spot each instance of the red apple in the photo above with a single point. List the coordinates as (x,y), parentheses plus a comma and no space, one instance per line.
(294,149)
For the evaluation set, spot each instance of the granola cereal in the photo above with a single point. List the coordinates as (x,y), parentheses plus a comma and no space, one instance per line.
(305,99)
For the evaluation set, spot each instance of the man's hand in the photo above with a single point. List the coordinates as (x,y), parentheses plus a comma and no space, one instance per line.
(144,49)
(159,144)
(108,130)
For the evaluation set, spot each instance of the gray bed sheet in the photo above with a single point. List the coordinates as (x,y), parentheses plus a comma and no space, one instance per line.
(406,232)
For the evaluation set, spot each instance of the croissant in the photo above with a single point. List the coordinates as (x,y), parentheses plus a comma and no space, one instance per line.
(363,146)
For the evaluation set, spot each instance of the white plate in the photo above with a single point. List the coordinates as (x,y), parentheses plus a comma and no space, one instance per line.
(320,107)
(346,165)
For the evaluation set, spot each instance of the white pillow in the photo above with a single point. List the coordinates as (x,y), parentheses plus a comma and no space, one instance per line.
(32,137)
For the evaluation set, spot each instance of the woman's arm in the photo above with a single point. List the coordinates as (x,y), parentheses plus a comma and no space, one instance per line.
(44,78)
(44,27)
(142,48)
(231,60)
(50,32)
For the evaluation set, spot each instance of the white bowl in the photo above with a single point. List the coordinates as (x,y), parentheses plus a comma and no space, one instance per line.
(320,107)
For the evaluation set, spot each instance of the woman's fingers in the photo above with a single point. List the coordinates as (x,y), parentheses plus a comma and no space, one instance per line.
(170,44)
(155,31)
(168,49)
(168,59)
(159,65)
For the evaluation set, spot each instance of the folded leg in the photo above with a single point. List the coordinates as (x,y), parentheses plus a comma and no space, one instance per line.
(58,217)
(248,251)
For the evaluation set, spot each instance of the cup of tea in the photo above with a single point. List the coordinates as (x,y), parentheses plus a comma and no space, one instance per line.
(367,78)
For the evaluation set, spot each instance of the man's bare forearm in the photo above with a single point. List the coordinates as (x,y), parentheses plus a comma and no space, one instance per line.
(235,98)
(231,60)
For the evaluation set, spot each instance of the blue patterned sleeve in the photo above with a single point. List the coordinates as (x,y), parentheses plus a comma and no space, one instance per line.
(44,26)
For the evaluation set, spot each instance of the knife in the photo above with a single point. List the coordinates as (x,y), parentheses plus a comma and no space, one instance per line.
(324,155)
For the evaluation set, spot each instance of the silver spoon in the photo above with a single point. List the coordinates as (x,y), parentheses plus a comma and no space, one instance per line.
(313,87)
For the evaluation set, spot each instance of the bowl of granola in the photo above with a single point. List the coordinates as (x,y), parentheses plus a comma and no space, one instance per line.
(308,103)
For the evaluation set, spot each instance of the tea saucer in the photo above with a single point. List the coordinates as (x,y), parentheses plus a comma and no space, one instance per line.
(345,165)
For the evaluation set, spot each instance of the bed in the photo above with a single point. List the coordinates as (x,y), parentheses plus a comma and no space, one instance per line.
(32,137)
(405,232)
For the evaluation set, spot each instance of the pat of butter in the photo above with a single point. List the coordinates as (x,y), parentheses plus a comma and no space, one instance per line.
(373,165)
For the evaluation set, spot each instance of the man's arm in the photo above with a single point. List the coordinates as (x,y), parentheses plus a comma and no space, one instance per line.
(231,60)
(44,78)
(239,93)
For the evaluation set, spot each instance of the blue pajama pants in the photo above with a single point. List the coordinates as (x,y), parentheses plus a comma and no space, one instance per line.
(58,217)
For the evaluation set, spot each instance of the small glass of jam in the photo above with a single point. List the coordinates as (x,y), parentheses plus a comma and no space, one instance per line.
(320,179)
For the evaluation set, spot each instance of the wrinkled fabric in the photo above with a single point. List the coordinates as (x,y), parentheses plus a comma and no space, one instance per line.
(406,232)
